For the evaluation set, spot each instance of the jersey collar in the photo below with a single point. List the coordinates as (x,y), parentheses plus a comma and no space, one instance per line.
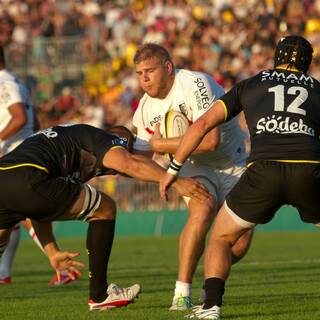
(288,69)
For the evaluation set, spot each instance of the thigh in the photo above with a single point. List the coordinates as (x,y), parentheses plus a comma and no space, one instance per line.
(258,194)
(203,174)
(228,178)
(303,190)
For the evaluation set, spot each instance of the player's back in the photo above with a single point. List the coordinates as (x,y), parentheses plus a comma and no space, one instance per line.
(282,109)
(75,150)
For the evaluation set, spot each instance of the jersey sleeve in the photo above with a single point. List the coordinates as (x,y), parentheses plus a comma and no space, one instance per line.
(232,101)
(143,136)
(9,94)
(203,92)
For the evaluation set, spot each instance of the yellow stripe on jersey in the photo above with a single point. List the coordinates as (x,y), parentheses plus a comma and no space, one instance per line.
(25,165)
(117,147)
(298,161)
(287,161)
(225,109)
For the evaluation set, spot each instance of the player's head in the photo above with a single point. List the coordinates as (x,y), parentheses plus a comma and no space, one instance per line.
(295,51)
(125,134)
(2,58)
(155,69)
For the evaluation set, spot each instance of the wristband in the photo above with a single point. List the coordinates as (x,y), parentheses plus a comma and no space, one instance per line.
(174,167)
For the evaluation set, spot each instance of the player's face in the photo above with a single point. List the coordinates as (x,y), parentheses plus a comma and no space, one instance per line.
(155,77)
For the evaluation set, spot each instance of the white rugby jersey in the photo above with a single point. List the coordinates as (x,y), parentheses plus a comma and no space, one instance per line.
(13,91)
(192,93)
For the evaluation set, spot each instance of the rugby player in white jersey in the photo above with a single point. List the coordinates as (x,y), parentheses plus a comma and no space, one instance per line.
(218,162)
(17,122)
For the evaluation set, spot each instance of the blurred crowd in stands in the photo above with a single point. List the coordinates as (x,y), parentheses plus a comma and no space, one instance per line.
(76,55)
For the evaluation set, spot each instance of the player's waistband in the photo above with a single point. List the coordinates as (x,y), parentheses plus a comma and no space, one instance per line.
(285,161)
(24,165)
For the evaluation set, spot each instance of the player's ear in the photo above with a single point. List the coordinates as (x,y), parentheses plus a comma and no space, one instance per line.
(169,66)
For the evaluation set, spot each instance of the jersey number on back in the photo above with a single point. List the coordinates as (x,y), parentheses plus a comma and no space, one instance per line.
(294,107)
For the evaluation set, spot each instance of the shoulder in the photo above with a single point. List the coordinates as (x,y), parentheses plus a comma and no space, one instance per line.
(195,80)
(143,109)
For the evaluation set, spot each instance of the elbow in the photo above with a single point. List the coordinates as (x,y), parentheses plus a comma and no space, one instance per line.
(20,123)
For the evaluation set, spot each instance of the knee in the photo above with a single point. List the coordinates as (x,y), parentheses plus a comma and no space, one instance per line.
(107,209)
(203,213)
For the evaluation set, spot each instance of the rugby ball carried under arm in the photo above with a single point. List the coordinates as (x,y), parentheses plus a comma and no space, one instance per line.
(173,124)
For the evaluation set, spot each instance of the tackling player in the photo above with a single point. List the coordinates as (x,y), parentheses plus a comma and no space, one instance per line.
(218,161)
(281,107)
(45,179)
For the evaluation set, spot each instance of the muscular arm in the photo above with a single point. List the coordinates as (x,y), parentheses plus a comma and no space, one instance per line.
(59,260)
(210,142)
(142,168)
(18,120)
(45,235)
(133,165)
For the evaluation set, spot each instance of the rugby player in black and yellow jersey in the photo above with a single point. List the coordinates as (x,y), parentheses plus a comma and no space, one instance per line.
(282,110)
(44,179)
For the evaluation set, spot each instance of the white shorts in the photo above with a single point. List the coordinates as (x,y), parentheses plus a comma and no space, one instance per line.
(219,182)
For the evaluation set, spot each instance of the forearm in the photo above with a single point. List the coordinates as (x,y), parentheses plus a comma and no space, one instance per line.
(170,145)
(145,169)
(196,133)
(45,235)
(190,141)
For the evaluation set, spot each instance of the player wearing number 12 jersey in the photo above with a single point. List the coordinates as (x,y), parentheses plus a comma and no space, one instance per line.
(282,109)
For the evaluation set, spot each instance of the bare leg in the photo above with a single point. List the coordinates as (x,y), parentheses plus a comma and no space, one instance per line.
(241,247)
(191,246)
(193,236)
(225,233)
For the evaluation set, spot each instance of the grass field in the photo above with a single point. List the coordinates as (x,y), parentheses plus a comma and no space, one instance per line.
(279,279)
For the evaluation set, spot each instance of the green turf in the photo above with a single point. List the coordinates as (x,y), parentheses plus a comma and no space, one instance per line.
(279,279)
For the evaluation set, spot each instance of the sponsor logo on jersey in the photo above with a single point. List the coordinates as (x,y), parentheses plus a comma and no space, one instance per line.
(278,124)
(202,97)
(49,133)
(183,108)
(294,78)
(155,120)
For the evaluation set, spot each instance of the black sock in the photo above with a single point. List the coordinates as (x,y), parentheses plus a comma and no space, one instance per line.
(214,288)
(99,243)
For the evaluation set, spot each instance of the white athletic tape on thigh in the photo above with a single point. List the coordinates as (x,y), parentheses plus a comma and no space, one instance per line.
(237,219)
(91,203)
